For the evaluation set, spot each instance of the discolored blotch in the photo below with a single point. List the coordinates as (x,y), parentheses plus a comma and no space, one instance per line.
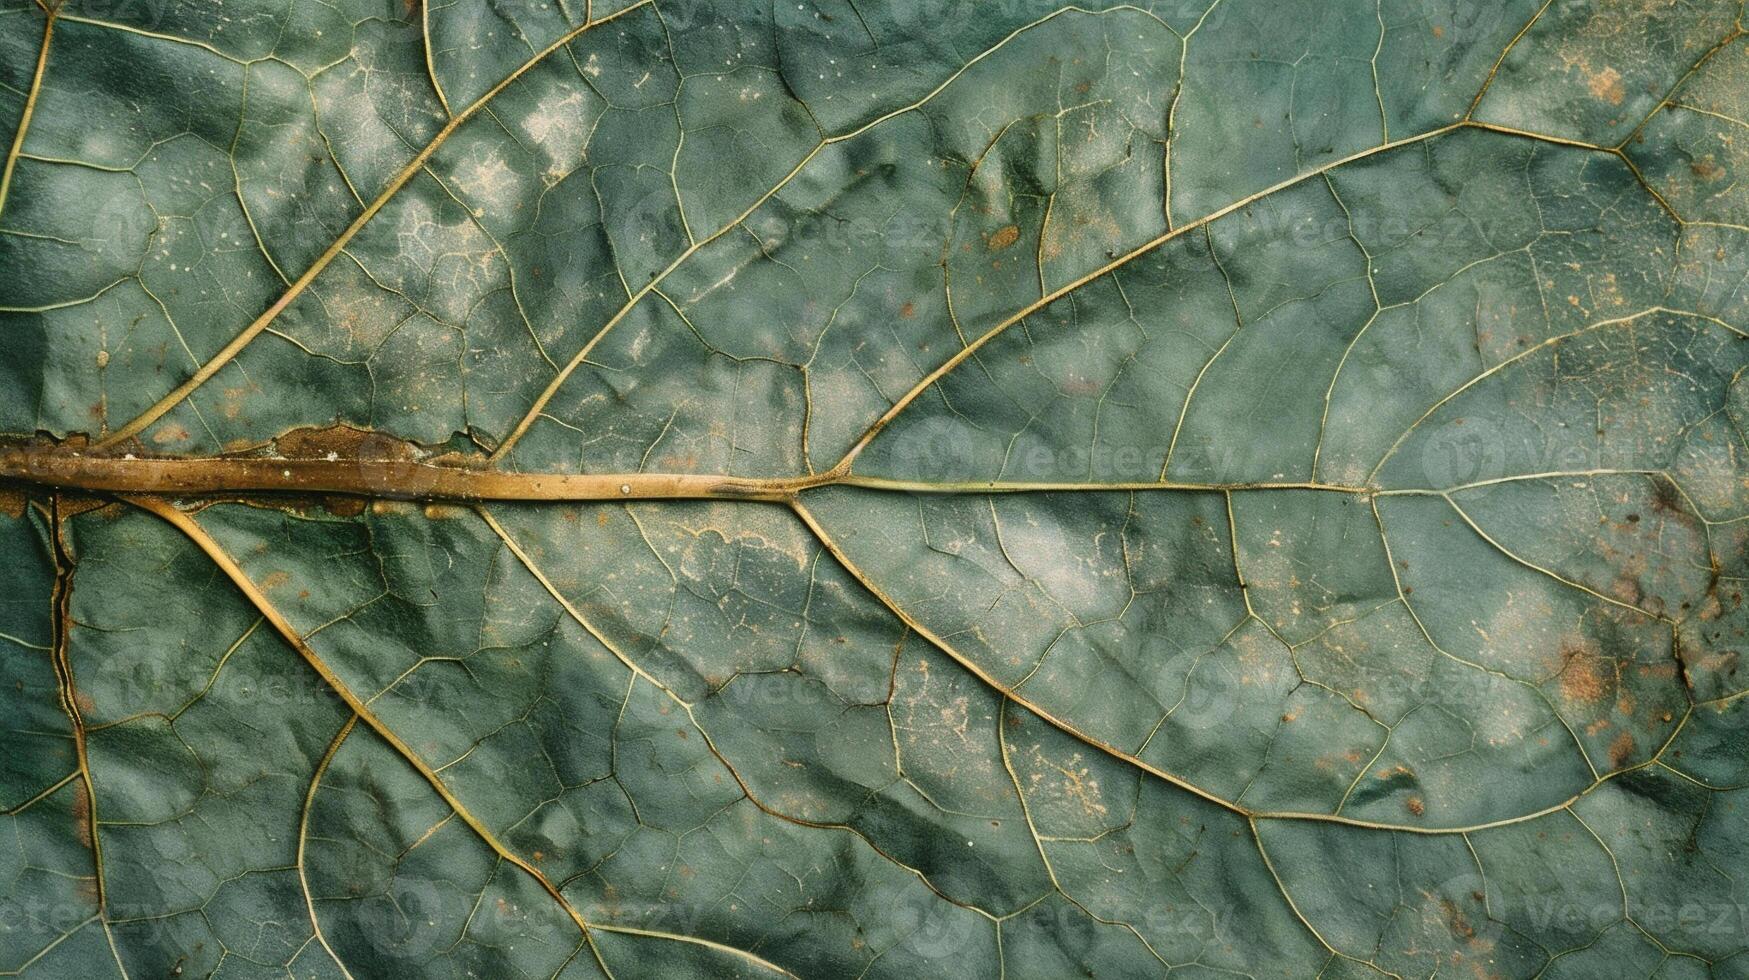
(1707,168)
(1583,680)
(82,814)
(1621,751)
(170,434)
(1606,85)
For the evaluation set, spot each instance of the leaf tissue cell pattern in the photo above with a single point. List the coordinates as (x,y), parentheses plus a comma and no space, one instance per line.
(879,488)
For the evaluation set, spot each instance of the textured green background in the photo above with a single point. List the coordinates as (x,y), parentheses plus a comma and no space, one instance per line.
(1383,617)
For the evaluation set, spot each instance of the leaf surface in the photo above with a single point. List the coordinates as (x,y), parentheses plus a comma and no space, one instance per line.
(874,489)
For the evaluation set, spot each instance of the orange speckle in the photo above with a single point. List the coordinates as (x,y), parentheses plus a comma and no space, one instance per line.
(1606,85)
(1583,679)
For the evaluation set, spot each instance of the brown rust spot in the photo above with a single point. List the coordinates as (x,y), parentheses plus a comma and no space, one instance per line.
(81,814)
(1583,680)
(1665,497)
(344,506)
(1621,750)
(344,442)
(232,401)
(1626,589)
(1456,920)
(1625,703)
(1003,237)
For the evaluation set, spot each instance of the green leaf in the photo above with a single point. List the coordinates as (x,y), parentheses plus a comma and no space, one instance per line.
(895,488)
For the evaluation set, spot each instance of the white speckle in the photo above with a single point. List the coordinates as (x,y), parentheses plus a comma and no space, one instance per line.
(491,180)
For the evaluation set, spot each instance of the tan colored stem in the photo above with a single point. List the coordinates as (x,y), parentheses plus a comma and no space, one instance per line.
(394,479)
(391,479)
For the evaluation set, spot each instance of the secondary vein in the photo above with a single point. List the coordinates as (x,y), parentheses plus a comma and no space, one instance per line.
(229,352)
